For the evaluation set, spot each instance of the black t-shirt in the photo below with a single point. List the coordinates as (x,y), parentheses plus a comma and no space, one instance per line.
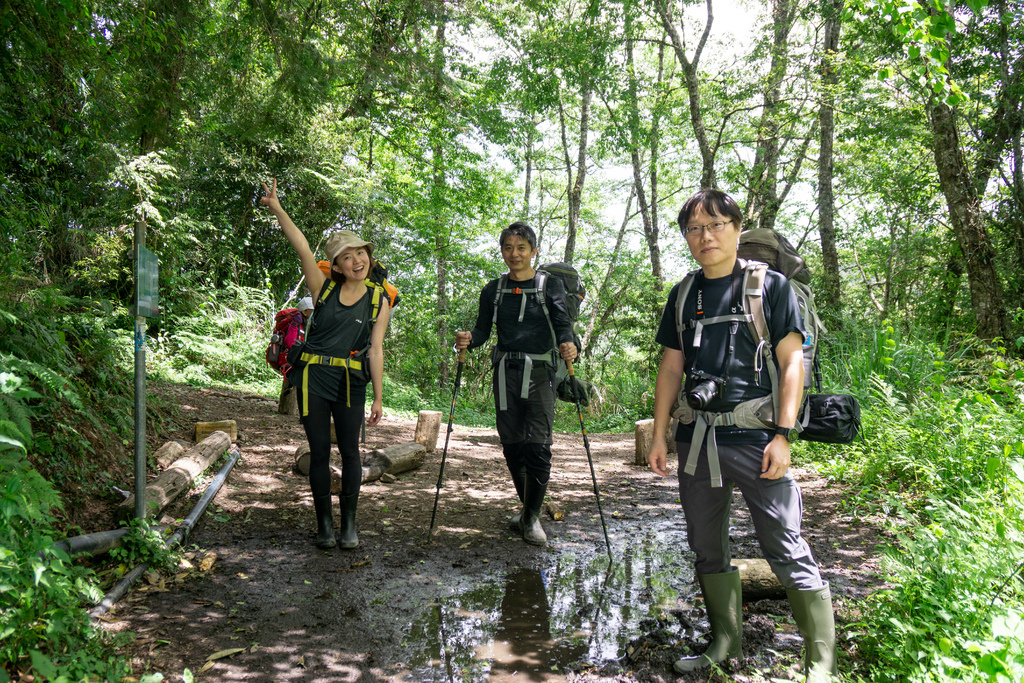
(532,335)
(720,297)
(337,331)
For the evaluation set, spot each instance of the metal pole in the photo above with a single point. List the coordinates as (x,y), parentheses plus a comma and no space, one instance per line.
(140,381)
(448,435)
(586,445)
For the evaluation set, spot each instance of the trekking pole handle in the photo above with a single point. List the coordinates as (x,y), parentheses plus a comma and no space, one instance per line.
(462,355)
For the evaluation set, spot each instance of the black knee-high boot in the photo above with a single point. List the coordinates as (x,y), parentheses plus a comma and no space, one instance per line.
(347,536)
(324,522)
(533,500)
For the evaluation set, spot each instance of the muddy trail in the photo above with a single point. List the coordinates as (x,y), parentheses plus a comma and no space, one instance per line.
(475,603)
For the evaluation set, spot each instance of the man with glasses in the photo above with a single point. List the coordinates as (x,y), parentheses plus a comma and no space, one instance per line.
(709,345)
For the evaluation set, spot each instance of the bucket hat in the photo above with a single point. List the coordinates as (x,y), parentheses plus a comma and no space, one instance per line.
(342,240)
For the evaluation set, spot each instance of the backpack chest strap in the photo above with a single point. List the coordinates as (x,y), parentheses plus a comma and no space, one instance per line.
(698,325)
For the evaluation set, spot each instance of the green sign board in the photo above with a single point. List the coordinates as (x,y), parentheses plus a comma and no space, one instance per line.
(147,273)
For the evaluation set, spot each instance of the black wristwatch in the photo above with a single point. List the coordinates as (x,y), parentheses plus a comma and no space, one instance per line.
(788,432)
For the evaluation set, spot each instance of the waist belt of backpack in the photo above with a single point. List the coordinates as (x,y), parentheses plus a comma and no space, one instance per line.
(315,359)
(702,422)
(500,357)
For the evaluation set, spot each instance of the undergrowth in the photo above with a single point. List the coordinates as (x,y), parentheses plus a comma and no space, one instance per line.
(942,456)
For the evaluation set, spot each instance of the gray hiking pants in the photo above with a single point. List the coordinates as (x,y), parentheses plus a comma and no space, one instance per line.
(776,508)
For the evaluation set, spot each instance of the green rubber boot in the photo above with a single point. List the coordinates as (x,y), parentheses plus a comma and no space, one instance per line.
(519,480)
(324,522)
(533,500)
(812,611)
(348,538)
(724,603)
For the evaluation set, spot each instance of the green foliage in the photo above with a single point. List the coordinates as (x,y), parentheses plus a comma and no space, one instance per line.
(145,544)
(43,624)
(954,611)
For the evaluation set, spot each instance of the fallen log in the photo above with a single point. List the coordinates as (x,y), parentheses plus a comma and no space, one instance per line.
(373,468)
(168,453)
(428,425)
(204,429)
(400,457)
(178,477)
(758,580)
(643,434)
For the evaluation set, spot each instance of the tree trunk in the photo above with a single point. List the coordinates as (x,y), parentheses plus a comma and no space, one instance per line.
(968,223)
(829,293)
(441,235)
(707,151)
(574,188)
(648,215)
(763,201)
(603,299)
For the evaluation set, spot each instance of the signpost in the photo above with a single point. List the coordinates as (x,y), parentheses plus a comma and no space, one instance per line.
(147,271)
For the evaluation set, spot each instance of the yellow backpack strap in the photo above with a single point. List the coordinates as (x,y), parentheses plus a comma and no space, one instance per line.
(375,297)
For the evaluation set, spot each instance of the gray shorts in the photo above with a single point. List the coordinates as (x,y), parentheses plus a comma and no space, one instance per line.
(776,508)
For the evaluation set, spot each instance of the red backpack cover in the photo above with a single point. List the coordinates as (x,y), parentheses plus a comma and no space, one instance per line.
(288,328)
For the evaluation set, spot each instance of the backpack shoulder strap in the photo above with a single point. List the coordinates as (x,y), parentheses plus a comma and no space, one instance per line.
(754,273)
(499,292)
(541,282)
(377,292)
(684,291)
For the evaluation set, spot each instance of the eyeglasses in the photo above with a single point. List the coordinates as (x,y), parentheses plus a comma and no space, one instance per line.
(713,228)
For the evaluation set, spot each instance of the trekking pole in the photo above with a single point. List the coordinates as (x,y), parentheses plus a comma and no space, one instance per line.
(448,435)
(586,445)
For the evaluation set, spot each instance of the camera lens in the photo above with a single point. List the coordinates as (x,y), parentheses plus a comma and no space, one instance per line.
(701,395)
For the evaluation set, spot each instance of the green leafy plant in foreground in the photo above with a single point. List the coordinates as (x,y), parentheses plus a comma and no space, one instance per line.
(145,544)
(43,624)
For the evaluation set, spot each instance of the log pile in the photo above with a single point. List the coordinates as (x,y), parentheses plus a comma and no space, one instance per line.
(179,476)
(391,460)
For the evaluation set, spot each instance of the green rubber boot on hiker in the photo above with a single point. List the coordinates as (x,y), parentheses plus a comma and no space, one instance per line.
(347,537)
(324,522)
(812,611)
(723,601)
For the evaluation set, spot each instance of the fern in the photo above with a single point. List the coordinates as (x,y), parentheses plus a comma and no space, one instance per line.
(54,382)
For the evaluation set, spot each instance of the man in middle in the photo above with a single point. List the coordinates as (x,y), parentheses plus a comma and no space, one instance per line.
(534,329)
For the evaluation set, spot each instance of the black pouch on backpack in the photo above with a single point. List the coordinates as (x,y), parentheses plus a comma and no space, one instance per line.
(834,418)
(565,391)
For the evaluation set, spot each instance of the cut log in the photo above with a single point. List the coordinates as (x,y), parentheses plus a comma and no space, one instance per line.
(428,425)
(554,510)
(168,453)
(204,429)
(178,477)
(373,468)
(400,457)
(288,403)
(758,580)
(302,460)
(644,435)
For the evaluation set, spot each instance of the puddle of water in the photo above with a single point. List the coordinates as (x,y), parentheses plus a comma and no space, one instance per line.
(531,623)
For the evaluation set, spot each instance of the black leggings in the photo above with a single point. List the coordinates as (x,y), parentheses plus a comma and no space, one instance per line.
(347,422)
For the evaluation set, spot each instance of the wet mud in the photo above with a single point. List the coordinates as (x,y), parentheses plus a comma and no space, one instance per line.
(471,603)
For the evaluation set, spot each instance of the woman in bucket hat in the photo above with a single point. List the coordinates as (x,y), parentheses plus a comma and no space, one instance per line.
(343,353)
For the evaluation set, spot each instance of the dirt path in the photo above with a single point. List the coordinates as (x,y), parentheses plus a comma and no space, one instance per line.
(475,604)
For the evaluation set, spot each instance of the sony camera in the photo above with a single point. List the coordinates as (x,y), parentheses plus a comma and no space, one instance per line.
(703,388)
